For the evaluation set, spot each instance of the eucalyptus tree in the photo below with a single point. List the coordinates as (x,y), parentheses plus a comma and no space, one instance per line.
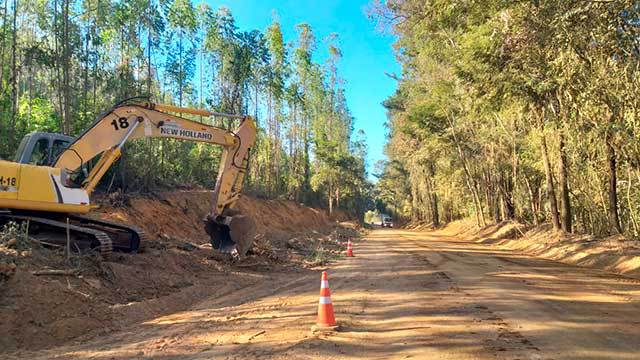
(305,96)
(62,62)
(276,74)
(180,62)
(524,92)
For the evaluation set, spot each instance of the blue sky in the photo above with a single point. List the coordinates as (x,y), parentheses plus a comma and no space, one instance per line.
(367,54)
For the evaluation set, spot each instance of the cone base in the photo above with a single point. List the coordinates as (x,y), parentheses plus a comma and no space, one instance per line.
(324,328)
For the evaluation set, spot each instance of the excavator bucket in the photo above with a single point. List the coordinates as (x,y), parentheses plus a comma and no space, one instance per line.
(231,234)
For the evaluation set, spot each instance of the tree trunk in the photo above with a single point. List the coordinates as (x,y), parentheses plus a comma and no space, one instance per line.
(468,179)
(2,48)
(14,78)
(269,136)
(58,65)
(506,186)
(514,173)
(180,71)
(435,216)
(306,186)
(276,142)
(565,202)
(330,196)
(4,132)
(551,193)
(4,36)
(492,197)
(149,47)
(532,202)
(85,77)
(433,197)
(613,180)
(632,215)
(66,68)
(415,201)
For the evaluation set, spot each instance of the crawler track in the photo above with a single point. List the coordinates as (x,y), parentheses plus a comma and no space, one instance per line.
(86,233)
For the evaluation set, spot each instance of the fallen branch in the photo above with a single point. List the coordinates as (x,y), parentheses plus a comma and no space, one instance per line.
(256,335)
(248,265)
(70,272)
(47,243)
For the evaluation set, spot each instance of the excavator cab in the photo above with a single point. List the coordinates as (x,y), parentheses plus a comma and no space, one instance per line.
(42,149)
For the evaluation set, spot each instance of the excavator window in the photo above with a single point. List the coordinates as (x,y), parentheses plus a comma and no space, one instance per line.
(40,154)
(58,147)
(41,148)
(23,145)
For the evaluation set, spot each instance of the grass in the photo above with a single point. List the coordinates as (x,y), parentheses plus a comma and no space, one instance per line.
(321,256)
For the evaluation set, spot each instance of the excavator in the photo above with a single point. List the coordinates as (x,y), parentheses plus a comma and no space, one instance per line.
(50,182)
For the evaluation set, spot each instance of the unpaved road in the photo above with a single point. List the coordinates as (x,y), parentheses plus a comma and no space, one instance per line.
(406,295)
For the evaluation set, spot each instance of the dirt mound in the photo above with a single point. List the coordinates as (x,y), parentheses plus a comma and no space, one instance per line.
(180,214)
(419,226)
(174,269)
(615,254)
(465,228)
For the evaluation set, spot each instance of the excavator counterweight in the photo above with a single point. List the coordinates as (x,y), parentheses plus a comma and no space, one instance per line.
(53,176)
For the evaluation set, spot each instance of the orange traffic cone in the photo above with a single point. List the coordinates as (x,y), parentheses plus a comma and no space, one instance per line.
(349,248)
(326,318)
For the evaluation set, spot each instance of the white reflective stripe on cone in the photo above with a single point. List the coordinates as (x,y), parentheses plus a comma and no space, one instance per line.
(325,300)
(324,284)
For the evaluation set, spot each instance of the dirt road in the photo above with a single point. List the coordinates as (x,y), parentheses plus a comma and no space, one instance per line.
(406,295)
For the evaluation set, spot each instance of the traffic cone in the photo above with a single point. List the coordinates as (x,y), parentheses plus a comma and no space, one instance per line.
(349,248)
(326,318)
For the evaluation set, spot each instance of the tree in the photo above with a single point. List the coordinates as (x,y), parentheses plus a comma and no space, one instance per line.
(63,62)
(180,67)
(511,95)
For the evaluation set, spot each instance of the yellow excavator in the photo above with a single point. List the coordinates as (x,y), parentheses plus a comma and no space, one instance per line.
(52,177)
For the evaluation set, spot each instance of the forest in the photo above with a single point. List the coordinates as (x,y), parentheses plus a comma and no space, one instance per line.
(515,110)
(64,62)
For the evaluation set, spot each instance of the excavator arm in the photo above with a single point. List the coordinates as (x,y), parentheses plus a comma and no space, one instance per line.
(229,231)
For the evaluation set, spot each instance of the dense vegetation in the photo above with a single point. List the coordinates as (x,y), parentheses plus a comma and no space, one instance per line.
(63,62)
(524,110)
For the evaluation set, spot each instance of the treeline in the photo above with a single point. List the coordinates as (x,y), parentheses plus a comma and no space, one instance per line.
(63,62)
(524,110)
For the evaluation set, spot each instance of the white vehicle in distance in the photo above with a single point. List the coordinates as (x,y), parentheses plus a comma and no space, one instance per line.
(387,222)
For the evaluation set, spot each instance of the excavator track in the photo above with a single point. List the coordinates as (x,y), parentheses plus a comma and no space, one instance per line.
(125,238)
(83,238)
(87,233)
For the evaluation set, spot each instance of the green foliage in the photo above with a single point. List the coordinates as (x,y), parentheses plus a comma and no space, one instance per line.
(321,256)
(523,110)
(37,114)
(75,59)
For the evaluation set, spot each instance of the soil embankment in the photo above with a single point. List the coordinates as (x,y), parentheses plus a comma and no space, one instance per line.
(174,269)
(613,254)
